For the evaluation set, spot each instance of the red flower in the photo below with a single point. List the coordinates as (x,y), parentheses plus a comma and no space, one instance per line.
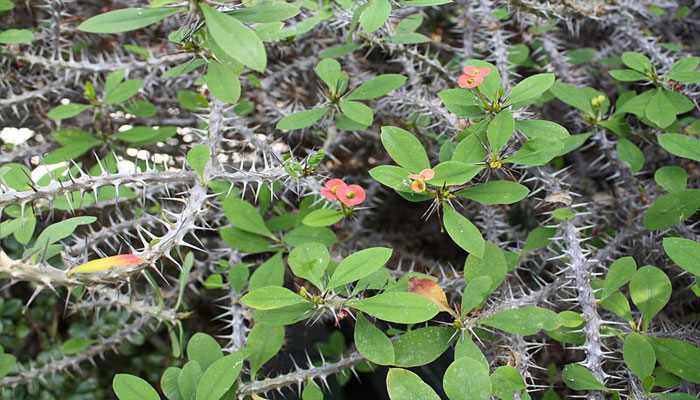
(473,71)
(473,77)
(418,184)
(332,186)
(350,195)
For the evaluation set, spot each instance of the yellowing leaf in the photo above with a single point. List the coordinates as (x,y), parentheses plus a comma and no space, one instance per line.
(431,291)
(103,264)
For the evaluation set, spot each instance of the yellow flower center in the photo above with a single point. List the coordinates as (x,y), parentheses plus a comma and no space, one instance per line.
(334,188)
(470,80)
(495,164)
(476,72)
(350,195)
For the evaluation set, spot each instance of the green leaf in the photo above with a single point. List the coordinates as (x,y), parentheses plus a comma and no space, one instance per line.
(114,79)
(124,91)
(304,234)
(358,265)
(505,380)
(636,61)
(6,5)
(197,157)
(685,253)
(678,357)
(404,149)
(475,293)
(686,77)
(18,176)
(398,307)
(339,51)
(530,88)
(191,100)
(573,96)
(141,109)
(219,377)
(126,19)
(25,229)
(309,261)
(650,290)
(58,231)
(269,11)
(377,87)
(285,315)
(538,238)
(537,151)
(492,264)
(204,349)
(184,68)
(465,347)
(463,232)
(188,380)
(7,364)
(301,119)
(461,101)
(311,392)
(322,217)
(130,387)
(500,129)
(578,377)
(168,383)
(269,297)
(626,75)
(405,385)
(222,83)
(236,39)
(619,273)
(639,355)
(671,178)
(14,36)
(372,343)
(671,209)
(421,346)
(524,321)
(467,379)
(660,110)
(67,110)
(630,154)
(454,173)
(470,150)
(244,241)
(375,15)
(496,192)
(618,303)
(681,145)
(75,345)
(266,340)
(245,216)
(687,64)
(357,112)
(390,175)
(330,73)
(545,129)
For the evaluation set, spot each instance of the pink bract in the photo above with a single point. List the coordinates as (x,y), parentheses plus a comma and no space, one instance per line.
(351,195)
(474,72)
(427,174)
(332,186)
(468,82)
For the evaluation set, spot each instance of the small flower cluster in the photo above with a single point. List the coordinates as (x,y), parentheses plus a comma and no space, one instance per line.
(473,77)
(349,195)
(418,184)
